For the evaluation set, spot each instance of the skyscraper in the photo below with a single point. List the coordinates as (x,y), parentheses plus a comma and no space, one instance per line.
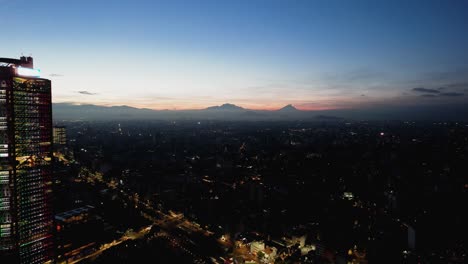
(26,216)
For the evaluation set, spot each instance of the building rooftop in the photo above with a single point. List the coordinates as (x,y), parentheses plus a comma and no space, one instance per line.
(68,214)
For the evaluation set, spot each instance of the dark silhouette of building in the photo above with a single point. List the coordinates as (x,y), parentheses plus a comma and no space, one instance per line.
(26,215)
(78,231)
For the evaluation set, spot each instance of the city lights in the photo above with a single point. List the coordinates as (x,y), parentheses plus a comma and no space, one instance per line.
(28,72)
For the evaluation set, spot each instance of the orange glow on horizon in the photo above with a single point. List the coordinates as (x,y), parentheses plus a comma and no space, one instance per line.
(186,107)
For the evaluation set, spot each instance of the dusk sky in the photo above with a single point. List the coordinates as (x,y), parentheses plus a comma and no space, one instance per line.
(255,54)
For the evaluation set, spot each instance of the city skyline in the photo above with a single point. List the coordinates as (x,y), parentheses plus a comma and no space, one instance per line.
(243,131)
(258,55)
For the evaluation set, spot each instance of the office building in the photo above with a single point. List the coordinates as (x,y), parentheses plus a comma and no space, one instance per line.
(26,215)
(60,136)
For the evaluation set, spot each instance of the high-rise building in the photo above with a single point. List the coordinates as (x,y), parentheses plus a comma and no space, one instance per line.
(26,215)
(60,135)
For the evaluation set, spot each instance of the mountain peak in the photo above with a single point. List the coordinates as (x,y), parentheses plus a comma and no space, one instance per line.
(288,108)
(123,107)
(227,107)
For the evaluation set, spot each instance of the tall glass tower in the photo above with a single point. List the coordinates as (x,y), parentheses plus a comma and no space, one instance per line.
(26,216)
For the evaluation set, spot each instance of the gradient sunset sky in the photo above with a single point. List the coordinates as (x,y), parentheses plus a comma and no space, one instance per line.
(256,54)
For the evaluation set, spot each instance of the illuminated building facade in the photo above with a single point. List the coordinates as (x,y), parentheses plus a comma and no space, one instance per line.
(26,216)
(60,135)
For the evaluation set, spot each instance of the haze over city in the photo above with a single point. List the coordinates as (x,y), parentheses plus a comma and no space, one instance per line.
(234,132)
(316,55)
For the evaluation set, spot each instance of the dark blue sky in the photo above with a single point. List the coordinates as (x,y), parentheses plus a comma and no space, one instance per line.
(259,54)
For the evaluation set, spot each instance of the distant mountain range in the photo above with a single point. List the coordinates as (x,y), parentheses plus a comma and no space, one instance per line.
(68,111)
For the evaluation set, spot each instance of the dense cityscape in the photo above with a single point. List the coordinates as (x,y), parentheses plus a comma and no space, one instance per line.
(234,132)
(328,190)
(289,192)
